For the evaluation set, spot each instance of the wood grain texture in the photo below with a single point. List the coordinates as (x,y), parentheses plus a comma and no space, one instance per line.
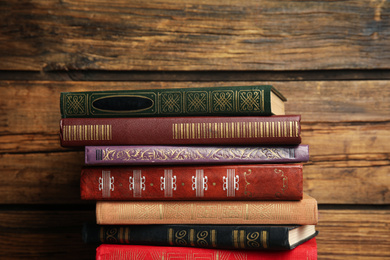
(193,35)
(53,178)
(345,123)
(354,234)
(49,234)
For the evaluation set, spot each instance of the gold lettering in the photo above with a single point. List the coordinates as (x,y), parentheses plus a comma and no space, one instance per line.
(296,128)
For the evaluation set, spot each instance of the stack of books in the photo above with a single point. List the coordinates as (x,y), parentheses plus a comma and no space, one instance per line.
(210,173)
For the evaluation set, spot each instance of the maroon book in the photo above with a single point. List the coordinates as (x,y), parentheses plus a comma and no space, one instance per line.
(254,130)
(217,182)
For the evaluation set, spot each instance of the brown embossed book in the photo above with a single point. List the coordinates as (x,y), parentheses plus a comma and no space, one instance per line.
(303,212)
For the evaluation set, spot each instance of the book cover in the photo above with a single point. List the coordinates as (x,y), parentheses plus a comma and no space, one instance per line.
(218,101)
(163,155)
(214,182)
(303,212)
(260,237)
(307,251)
(252,130)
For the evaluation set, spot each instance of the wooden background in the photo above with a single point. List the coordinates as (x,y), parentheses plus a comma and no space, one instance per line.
(331,59)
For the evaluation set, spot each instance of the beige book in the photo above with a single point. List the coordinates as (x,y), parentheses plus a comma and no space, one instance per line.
(303,212)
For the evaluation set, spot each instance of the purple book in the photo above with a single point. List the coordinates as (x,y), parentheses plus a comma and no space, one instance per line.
(160,155)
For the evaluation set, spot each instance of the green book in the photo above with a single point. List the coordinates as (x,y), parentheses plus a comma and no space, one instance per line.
(263,100)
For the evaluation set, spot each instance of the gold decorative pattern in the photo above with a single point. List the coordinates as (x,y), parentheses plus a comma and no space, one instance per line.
(86,132)
(284,182)
(246,192)
(172,254)
(171,102)
(227,130)
(191,237)
(76,104)
(227,212)
(197,102)
(223,101)
(255,240)
(251,101)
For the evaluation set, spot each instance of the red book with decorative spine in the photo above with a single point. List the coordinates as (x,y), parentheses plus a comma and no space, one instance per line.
(306,251)
(198,182)
(253,130)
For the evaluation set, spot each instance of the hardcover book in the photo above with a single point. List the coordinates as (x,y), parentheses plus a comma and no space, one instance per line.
(306,251)
(266,237)
(215,182)
(253,130)
(220,101)
(163,155)
(303,212)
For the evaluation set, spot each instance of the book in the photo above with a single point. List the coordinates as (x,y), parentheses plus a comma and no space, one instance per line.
(252,130)
(218,101)
(307,251)
(164,155)
(213,182)
(303,212)
(261,237)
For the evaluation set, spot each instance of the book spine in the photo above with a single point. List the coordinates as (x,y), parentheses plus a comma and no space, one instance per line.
(162,155)
(224,182)
(221,101)
(303,212)
(271,130)
(307,251)
(202,236)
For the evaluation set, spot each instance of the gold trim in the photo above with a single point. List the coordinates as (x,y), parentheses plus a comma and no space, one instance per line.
(214,237)
(235,238)
(264,239)
(192,237)
(242,238)
(170,236)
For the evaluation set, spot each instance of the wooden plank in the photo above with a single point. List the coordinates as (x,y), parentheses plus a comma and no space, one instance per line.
(348,135)
(53,178)
(44,234)
(354,234)
(194,35)
(344,234)
(347,103)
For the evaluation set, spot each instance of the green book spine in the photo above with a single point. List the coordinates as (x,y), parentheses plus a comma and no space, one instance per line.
(266,237)
(218,101)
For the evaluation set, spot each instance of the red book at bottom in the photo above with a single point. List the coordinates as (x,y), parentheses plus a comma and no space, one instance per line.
(307,251)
